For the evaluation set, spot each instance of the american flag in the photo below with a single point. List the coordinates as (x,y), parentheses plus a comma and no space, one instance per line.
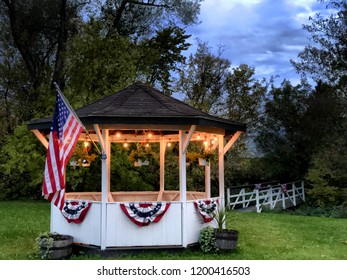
(65,131)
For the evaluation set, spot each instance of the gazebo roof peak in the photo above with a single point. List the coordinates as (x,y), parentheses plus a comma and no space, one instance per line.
(139,100)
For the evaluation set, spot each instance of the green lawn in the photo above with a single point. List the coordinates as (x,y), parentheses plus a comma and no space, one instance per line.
(261,236)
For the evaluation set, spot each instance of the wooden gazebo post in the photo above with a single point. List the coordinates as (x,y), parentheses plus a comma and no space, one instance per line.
(183,183)
(103,137)
(162,168)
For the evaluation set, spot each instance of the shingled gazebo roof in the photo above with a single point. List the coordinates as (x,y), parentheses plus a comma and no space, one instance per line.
(139,106)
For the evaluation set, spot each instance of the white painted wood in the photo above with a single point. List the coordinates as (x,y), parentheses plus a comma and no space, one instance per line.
(258,205)
(228,197)
(105,186)
(221,168)
(42,139)
(271,197)
(231,141)
(100,137)
(208,180)
(162,165)
(183,185)
(88,232)
(122,232)
(293,194)
(302,191)
(188,137)
(182,168)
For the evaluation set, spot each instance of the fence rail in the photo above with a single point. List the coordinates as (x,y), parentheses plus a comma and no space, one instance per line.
(270,196)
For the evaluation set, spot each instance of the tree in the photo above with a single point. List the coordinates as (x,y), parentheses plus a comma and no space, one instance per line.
(21,165)
(202,80)
(326,58)
(98,65)
(327,173)
(143,17)
(244,96)
(278,136)
(161,55)
(297,124)
(12,78)
(39,31)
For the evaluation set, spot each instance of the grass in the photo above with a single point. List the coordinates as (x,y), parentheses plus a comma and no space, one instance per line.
(20,223)
(265,236)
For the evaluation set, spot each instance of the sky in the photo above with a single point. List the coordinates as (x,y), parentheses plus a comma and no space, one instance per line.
(264,34)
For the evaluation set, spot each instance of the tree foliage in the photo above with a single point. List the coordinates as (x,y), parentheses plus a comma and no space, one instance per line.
(202,79)
(244,96)
(21,165)
(296,126)
(91,49)
(143,17)
(326,57)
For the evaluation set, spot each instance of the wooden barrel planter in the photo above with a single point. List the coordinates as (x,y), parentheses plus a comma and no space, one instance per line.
(61,248)
(226,239)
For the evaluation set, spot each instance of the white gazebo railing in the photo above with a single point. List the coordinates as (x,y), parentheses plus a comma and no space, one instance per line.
(270,196)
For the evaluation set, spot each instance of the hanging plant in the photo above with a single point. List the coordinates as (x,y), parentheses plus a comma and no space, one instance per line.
(208,155)
(81,157)
(192,157)
(205,157)
(141,155)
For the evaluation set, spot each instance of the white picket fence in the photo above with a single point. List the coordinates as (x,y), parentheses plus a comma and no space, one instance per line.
(268,195)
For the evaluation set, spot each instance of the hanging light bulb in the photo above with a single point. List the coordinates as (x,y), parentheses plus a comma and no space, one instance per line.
(118,134)
(149,135)
(125,145)
(205,143)
(212,142)
(199,137)
(86,144)
(169,144)
(147,145)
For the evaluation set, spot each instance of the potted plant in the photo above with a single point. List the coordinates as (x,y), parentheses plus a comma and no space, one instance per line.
(226,239)
(206,156)
(53,246)
(140,155)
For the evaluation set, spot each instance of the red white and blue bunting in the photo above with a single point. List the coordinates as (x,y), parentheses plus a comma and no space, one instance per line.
(284,188)
(75,211)
(143,214)
(207,208)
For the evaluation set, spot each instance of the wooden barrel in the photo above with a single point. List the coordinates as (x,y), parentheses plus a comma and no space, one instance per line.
(61,249)
(226,239)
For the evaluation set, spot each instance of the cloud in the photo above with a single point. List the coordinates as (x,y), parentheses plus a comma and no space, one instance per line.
(264,34)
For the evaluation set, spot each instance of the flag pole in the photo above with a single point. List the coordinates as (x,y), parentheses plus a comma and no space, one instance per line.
(75,115)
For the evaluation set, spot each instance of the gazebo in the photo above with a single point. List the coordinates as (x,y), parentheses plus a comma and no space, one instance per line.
(140,113)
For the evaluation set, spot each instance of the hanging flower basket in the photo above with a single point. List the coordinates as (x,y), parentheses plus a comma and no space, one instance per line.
(203,162)
(83,163)
(140,163)
(205,157)
(141,155)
